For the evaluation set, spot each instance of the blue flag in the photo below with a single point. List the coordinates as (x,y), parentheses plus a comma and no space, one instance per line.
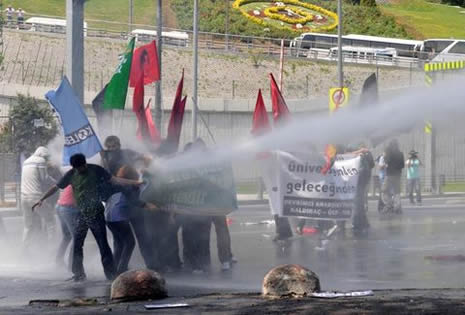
(80,137)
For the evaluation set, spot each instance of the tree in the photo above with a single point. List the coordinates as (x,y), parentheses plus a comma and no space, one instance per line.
(30,125)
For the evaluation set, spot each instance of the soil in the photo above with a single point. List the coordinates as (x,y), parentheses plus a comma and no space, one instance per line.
(435,301)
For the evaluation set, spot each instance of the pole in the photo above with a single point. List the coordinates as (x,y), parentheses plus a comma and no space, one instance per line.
(131,14)
(195,71)
(281,66)
(226,26)
(158,91)
(75,46)
(340,73)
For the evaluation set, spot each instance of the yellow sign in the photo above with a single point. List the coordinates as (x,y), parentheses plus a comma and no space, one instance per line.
(338,98)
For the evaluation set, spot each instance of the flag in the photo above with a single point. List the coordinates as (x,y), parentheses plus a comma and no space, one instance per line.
(369,95)
(79,134)
(177,114)
(138,96)
(330,158)
(97,104)
(260,121)
(145,61)
(280,110)
(115,94)
(152,129)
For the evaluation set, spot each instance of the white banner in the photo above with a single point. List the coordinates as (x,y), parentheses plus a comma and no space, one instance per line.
(297,188)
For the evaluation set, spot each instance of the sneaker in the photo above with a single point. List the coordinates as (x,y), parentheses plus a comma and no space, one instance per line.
(77,278)
(226,266)
(233,260)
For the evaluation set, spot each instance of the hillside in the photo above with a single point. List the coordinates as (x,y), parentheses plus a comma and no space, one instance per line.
(178,13)
(423,19)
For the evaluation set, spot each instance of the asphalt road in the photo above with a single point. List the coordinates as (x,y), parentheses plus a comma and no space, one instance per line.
(392,255)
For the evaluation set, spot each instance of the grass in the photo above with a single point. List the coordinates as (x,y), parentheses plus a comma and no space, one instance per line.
(454,187)
(144,11)
(424,19)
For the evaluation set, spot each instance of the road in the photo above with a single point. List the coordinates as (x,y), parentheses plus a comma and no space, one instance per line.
(392,255)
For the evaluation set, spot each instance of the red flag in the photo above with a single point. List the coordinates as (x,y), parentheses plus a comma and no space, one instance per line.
(145,61)
(138,97)
(280,110)
(177,114)
(260,122)
(152,129)
(330,157)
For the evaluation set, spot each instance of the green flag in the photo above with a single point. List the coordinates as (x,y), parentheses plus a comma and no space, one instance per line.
(115,94)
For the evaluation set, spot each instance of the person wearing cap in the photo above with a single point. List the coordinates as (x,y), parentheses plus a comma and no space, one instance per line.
(35,180)
(413,176)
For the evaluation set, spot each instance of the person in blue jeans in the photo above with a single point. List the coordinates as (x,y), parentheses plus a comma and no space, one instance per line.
(68,215)
(118,211)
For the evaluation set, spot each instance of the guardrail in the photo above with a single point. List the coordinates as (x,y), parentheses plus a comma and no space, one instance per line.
(231,43)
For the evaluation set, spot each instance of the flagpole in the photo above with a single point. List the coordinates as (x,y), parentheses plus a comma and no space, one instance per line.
(281,66)
(340,72)
(158,90)
(195,71)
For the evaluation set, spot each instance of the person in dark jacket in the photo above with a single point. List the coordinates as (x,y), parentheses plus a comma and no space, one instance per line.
(394,160)
(113,158)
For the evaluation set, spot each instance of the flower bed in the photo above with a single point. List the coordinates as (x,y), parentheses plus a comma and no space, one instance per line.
(273,12)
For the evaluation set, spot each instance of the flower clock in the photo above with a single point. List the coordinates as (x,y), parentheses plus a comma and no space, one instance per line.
(292,15)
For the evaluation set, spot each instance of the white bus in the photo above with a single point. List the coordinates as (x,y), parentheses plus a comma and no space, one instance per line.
(404,47)
(365,54)
(40,24)
(440,50)
(171,38)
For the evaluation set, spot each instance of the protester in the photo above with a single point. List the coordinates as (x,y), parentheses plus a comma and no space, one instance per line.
(39,226)
(360,220)
(196,231)
(394,159)
(413,177)
(89,182)
(117,213)
(9,14)
(68,215)
(113,158)
(20,17)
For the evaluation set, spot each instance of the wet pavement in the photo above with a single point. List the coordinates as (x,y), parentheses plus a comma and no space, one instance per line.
(392,255)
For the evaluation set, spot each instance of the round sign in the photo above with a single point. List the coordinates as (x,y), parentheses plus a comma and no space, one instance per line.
(338,97)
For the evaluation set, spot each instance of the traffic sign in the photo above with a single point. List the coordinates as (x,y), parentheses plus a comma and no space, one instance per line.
(338,98)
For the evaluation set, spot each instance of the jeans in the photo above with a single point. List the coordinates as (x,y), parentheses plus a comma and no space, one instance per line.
(97,225)
(283,228)
(391,193)
(223,238)
(123,244)
(68,217)
(137,221)
(414,184)
(196,241)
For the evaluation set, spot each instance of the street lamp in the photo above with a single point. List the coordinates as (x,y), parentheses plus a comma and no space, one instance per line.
(195,40)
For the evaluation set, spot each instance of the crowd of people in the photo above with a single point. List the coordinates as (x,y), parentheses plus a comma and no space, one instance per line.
(106,196)
(94,197)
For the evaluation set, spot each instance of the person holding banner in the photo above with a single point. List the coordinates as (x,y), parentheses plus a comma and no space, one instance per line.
(89,181)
